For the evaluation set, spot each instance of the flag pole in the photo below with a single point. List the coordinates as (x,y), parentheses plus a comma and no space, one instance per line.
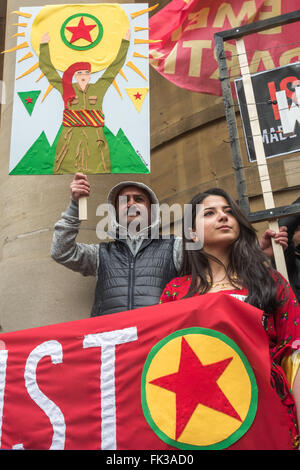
(260,153)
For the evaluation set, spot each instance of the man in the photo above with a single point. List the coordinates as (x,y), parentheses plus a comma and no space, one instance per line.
(133,270)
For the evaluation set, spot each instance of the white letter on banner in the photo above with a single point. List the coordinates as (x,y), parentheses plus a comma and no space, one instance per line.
(288,116)
(3,362)
(108,341)
(197,46)
(54,350)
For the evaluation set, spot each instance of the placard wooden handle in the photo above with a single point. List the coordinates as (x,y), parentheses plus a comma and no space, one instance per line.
(260,153)
(82,206)
(278,251)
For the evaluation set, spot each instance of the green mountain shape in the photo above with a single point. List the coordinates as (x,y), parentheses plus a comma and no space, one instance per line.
(39,159)
(31,96)
(123,157)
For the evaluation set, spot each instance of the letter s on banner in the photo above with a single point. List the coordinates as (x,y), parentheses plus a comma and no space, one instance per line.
(53,349)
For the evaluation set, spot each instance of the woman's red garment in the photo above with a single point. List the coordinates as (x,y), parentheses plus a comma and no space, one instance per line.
(283,329)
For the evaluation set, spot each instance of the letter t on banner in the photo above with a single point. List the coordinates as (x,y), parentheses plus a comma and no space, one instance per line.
(260,152)
(108,341)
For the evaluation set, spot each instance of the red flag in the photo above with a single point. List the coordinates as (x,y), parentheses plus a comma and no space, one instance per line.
(131,381)
(186,28)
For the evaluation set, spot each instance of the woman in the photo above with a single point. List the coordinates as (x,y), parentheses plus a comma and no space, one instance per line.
(82,145)
(228,258)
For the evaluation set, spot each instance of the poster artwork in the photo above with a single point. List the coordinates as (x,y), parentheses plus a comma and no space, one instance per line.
(81,98)
(277,97)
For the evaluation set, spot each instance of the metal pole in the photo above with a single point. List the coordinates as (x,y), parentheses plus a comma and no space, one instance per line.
(232,127)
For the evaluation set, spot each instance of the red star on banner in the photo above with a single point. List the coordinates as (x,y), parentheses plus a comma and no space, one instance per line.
(28,100)
(81,31)
(196,383)
(137,96)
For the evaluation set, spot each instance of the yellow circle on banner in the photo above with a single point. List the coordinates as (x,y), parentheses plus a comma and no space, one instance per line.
(52,18)
(206,427)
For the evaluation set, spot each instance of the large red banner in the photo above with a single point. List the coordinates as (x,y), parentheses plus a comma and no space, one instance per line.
(186,54)
(193,374)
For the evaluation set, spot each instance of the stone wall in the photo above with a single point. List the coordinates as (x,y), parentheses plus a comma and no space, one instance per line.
(190,152)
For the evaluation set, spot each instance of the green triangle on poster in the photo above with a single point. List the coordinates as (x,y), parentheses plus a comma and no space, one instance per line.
(29,99)
(39,159)
(123,157)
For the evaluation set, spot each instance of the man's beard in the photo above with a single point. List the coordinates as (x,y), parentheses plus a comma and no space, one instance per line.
(136,225)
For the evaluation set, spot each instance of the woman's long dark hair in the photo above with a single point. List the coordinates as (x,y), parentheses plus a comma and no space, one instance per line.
(247,260)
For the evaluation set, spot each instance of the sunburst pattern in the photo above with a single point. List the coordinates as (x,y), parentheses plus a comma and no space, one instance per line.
(26,56)
(40,77)
(18,35)
(34,67)
(22,25)
(16,48)
(142,12)
(21,13)
(50,87)
(135,69)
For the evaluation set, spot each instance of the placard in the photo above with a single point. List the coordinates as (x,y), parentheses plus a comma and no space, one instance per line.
(81,90)
(276,96)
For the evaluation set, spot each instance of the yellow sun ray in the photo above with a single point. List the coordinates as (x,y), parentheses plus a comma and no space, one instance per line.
(23,25)
(27,56)
(20,46)
(41,76)
(123,75)
(146,41)
(50,87)
(18,35)
(20,13)
(136,54)
(133,67)
(116,87)
(138,28)
(141,12)
(32,69)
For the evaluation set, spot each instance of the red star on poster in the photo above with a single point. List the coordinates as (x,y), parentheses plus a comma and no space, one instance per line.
(137,96)
(81,31)
(196,383)
(28,100)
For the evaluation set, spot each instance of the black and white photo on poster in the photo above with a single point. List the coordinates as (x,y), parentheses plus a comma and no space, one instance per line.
(277,98)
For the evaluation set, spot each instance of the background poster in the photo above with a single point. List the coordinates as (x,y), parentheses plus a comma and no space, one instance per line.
(90,33)
(186,53)
(265,86)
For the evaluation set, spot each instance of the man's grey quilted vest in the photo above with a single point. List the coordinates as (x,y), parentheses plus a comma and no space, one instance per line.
(127,282)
